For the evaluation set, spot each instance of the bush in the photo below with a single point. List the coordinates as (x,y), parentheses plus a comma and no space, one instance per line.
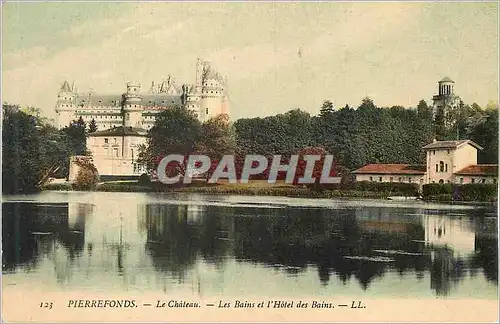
(123,187)
(408,189)
(477,192)
(86,179)
(457,192)
(433,189)
(87,176)
(57,186)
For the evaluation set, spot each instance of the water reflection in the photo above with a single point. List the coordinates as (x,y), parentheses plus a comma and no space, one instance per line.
(150,246)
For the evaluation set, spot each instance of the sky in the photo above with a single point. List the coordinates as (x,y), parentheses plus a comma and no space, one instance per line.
(276,56)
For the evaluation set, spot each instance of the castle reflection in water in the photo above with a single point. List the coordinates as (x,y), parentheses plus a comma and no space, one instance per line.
(150,245)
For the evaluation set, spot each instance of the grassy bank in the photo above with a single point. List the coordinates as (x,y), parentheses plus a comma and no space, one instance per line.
(254,188)
(263,188)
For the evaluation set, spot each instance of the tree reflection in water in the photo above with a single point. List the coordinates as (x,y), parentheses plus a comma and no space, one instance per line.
(343,243)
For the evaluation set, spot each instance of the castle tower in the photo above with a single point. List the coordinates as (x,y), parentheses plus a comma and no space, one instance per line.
(65,105)
(212,94)
(132,106)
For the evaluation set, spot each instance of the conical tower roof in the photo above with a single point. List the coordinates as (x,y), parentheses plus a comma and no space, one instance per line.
(65,87)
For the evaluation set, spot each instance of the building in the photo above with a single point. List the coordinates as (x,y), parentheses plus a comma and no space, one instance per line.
(446,162)
(391,173)
(207,97)
(115,151)
(123,119)
(445,101)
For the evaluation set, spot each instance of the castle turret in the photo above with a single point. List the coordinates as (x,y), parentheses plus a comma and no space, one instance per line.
(132,106)
(212,94)
(65,105)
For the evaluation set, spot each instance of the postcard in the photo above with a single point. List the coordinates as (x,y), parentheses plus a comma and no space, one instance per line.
(250,162)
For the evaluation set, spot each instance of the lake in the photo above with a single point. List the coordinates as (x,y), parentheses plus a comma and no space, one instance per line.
(238,245)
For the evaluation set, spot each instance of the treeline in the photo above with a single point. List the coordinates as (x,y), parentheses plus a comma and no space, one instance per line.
(368,134)
(33,150)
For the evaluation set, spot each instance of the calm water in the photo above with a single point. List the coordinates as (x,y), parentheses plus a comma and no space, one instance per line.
(260,246)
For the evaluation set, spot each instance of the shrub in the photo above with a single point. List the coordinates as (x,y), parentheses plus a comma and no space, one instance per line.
(433,189)
(87,176)
(457,192)
(57,186)
(123,187)
(408,189)
(477,192)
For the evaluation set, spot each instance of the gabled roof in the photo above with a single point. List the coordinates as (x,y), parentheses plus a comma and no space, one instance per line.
(450,144)
(391,169)
(120,131)
(479,169)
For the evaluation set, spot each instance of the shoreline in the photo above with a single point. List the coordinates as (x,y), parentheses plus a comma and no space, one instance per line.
(263,190)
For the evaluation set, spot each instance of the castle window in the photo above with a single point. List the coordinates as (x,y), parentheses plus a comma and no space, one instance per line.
(400,179)
(461,180)
(448,151)
(390,179)
(105,141)
(437,168)
(380,179)
(483,180)
(446,167)
(441,166)
(409,179)
(371,178)
(206,111)
(434,152)
(495,180)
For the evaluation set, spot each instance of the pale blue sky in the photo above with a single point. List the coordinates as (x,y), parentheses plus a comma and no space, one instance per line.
(277,56)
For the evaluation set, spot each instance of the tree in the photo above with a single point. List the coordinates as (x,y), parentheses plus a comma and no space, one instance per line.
(176,131)
(326,108)
(55,152)
(424,112)
(217,138)
(76,134)
(21,162)
(92,126)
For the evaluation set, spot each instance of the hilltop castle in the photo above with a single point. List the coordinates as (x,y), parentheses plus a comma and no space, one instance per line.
(207,97)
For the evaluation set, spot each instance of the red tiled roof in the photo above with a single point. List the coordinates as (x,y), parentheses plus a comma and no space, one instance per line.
(391,169)
(479,169)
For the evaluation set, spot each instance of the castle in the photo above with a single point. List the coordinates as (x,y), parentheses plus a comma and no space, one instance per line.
(207,97)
